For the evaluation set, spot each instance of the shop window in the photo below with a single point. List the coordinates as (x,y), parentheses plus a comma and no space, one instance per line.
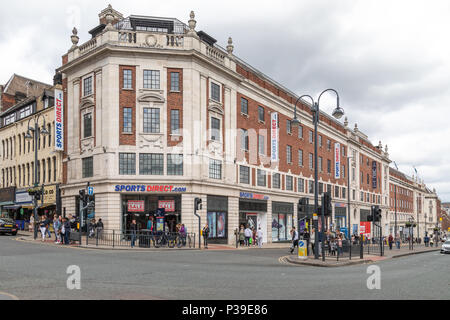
(217,223)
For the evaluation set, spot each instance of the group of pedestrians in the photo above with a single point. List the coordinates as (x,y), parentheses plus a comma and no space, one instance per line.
(250,236)
(61,228)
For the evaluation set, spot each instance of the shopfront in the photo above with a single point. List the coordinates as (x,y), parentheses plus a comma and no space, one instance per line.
(340,218)
(282,221)
(7,199)
(217,215)
(253,212)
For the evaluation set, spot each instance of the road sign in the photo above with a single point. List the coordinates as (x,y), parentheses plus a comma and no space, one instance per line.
(90,191)
(302,249)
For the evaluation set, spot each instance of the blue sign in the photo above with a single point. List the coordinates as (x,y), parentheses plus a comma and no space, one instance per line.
(90,191)
(344,230)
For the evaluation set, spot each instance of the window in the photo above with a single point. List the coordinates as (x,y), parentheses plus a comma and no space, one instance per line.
(88,167)
(300,132)
(244,106)
(25,112)
(301,185)
(174,81)
(300,158)
(49,165)
(151,120)
(10,119)
(244,139)
(87,86)
(320,141)
(87,120)
(368,177)
(127,120)
(151,164)
(343,151)
(43,171)
(261,175)
(320,187)
(328,145)
(261,149)
(127,163)
(289,183)
(289,154)
(343,171)
(311,161)
(276,181)
(127,79)
(310,186)
(362,196)
(215,92)
(244,174)
(175,121)
(288,127)
(151,79)
(329,166)
(50,134)
(215,169)
(311,140)
(336,191)
(320,164)
(54,169)
(261,113)
(215,129)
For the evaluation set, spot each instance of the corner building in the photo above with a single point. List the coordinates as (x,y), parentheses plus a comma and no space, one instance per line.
(157,114)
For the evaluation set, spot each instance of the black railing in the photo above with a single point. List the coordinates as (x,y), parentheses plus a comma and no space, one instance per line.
(140,239)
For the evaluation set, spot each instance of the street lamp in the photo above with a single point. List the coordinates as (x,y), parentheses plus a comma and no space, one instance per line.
(348,198)
(395,205)
(36,134)
(337,113)
(411,232)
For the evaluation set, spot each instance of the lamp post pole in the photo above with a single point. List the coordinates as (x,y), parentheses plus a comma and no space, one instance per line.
(348,199)
(337,113)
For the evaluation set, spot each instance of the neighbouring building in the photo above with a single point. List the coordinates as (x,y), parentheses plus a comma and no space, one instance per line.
(17,152)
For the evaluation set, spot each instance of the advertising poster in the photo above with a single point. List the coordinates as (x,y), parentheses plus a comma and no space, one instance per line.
(168,205)
(301,226)
(212,224)
(59,120)
(221,223)
(282,222)
(337,160)
(288,224)
(274,136)
(275,227)
(160,224)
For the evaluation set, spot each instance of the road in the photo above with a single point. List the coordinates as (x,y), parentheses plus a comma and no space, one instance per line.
(35,271)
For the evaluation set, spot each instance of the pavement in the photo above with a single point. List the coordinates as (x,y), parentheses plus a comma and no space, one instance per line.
(42,272)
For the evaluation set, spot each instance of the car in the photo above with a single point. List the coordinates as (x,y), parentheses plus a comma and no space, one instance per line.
(445,247)
(8,226)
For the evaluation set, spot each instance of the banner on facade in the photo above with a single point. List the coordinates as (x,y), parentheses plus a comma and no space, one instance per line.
(59,120)
(50,194)
(168,205)
(274,136)
(136,206)
(337,160)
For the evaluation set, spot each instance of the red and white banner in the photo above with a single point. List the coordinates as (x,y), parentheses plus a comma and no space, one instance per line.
(136,206)
(169,205)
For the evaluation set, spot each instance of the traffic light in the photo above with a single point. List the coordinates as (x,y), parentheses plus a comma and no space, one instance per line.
(302,206)
(376,213)
(370,217)
(35,193)
(198,204)
(327,204)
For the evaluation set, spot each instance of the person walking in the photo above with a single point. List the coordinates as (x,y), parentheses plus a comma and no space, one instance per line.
(43,227)
(254,236)
(242,236)
(390,241)
(339,245)
(205,233)
(47,227)
(183,235)
(313,241)
(100,227)
(133,231)
(57,229)
(397,241)
(31,225)
(248,235)
(260,237)
(294,234)
(65,230)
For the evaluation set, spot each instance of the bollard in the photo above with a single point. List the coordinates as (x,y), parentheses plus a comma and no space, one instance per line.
(113,238)
(361,250)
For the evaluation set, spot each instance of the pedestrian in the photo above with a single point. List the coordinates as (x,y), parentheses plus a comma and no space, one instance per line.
(47,227)
(205,233)
(92,227)
(397,241)
(150,223)
(100,228)
(43,227)
(260,237)
(339,245)
(294,234)
(242,236)
(57,229)
(390,240)
(254,236)
(31,225)
(183,235)
(313,240)
(133,229)
(248,235)
(65,230)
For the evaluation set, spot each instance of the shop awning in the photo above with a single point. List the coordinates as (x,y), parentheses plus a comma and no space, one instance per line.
(45,205)
(12,207)
(6,203)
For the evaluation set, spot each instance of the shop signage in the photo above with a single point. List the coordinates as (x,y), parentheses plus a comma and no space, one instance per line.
(337,160)
(136,206)
(50,194)
(59,120)
(256,196)
(364,228)
(148,188)
(274,136)
(374,174)
(7,194)
(23,197)
(168,205)
(340,205)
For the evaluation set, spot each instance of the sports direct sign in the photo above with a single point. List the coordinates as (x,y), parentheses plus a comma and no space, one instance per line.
(274,136)
(337,160)
(59,120)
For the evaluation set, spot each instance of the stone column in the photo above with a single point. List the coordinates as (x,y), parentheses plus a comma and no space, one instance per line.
(233,218)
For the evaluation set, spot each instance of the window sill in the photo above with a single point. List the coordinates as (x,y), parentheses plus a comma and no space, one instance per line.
(128,133)
(127,89)
(244,115)
(260,121)
(174,91)
(88,96)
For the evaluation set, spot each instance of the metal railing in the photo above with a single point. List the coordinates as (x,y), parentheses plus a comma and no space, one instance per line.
(140,239)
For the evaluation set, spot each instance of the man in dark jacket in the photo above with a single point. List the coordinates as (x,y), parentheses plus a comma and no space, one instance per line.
(65,229)
(205,232)
(133,229)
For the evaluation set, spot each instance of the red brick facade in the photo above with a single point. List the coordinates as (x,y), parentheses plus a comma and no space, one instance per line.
(174,102)
(127,99)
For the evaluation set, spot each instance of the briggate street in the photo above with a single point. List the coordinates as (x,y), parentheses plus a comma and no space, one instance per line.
(34,271)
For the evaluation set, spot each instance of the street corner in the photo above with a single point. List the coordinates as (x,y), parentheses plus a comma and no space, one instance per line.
(294,260)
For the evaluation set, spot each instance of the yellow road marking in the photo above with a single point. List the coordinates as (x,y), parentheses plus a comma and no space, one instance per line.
(9,295)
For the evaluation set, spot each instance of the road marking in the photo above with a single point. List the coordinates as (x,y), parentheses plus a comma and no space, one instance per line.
(11,296)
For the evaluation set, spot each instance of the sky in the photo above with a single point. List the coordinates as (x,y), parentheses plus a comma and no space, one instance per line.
(389,60)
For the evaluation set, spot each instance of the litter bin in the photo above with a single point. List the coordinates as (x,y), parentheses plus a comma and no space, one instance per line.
(144,238)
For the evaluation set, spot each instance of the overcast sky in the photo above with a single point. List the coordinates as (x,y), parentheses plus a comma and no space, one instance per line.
(389,60)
